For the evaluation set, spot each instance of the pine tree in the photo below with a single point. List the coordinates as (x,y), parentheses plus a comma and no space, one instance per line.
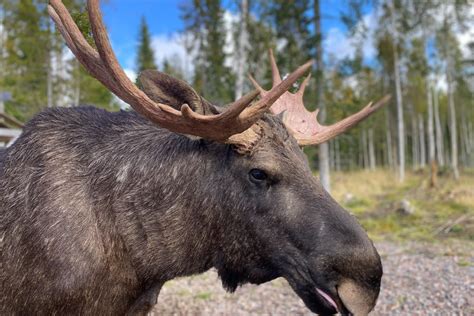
(291,24)
(145,55)
(82,88)
(212,77)
(26,46)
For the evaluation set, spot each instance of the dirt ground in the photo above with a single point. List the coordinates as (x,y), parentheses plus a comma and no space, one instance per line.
(419,279)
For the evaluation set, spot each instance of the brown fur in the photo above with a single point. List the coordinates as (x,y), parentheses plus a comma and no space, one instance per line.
(98,210)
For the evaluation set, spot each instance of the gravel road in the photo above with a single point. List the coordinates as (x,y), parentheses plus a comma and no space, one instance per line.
(419,279)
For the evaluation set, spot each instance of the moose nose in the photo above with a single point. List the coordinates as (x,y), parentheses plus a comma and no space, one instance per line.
(359,288)
(359,270)
(357,300)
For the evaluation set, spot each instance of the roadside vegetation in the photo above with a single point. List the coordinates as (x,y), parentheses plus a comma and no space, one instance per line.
(412,210)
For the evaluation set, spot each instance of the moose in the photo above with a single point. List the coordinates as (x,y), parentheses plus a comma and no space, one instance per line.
(98,209)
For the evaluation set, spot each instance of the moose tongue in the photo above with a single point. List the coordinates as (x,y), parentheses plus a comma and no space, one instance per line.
(328,299)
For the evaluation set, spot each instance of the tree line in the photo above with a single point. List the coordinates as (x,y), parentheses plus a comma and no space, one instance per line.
(418,60)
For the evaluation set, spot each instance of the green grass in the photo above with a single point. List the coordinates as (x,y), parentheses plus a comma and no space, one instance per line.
(464,263)
(203,296)
(440,213)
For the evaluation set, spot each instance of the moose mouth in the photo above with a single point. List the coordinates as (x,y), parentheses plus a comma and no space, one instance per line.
(319,299)
(328,299)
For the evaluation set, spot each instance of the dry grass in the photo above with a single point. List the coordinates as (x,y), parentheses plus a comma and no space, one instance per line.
(444,212)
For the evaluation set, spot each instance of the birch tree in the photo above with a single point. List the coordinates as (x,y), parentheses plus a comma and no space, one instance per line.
(242,46)
(323,148)
(439,130)
(398,91)
(372,161)
(422,142)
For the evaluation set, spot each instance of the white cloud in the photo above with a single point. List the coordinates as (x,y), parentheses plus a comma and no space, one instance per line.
(173,48)
(341,45)
(168,46)
(466,36)
(337,44)
(131,74)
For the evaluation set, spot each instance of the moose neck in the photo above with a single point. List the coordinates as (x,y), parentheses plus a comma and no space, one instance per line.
(162,205)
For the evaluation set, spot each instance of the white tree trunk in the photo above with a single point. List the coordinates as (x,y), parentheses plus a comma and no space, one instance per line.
(439,132)
(365,149)
(323,151)
(398,89)
(422,143)
(61,86)
(470,140)
(371,150)
(242,50)
(453,126)
(338,155)
(463,143)
(49,79)
(77,84)
(468,137)
(414,140)
(431,134)
(49,84)
(332,154)
(388,134)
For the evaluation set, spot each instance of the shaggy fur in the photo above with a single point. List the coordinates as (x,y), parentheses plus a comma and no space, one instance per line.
(99,209)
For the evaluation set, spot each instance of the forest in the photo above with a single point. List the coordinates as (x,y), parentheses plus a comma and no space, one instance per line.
(418,59)
(406,173)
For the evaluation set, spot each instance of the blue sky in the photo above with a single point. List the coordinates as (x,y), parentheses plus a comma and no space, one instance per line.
(122,18)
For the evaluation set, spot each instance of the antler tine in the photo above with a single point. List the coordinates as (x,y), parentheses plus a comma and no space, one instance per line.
(303,85)
(271,96)
(103,65)
(275,71)
(247,116)
(256,85)
(76,42)
(132,94)
(238,106)
(302,123)
(328,132)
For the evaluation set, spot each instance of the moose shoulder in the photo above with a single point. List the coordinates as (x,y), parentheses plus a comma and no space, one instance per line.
(98,210)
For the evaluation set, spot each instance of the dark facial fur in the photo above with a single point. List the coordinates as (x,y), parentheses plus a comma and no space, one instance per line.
(98,210)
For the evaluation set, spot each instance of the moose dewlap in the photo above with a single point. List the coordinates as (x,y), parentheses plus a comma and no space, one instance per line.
(98,210)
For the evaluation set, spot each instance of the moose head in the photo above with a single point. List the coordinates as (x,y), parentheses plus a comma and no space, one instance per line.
(191,186)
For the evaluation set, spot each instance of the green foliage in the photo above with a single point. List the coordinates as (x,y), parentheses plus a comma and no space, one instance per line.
(436,210)
(426,40)
(26,56)
(291,23)
(145,56)
(30,45)
(212,78)
(93,92)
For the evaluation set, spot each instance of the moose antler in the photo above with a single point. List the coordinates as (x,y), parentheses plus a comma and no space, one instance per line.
(302,123)
(103,65)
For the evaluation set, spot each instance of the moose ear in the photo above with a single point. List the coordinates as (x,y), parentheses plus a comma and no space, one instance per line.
(174,92)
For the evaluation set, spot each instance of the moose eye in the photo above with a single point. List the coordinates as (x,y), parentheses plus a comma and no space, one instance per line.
(257,175)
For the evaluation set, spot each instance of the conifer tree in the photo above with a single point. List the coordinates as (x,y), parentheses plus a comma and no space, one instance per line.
(145,56)
(26,57)
(212,77)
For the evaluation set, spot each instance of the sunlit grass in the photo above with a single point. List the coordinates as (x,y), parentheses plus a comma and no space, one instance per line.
(444,212)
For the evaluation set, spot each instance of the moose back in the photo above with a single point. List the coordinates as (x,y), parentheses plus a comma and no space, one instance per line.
(98,210)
